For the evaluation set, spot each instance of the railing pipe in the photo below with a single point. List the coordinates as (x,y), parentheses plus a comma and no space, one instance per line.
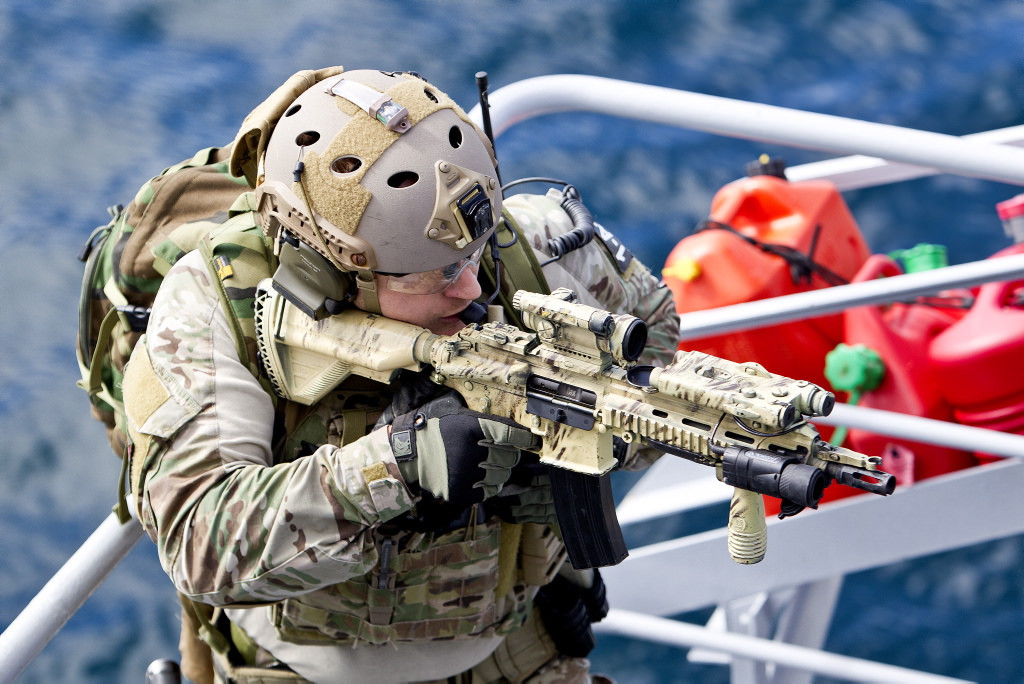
(858,171)
(64,594)
(534,97)
(685,635)
(926,430)
(813,303)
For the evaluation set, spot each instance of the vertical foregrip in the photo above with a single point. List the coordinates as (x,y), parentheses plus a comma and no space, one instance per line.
(748,534)
(586,515)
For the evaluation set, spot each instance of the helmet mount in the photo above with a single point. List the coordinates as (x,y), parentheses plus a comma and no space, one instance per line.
(462,209)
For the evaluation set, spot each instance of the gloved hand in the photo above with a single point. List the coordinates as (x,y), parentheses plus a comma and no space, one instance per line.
(569,605)
(455,454)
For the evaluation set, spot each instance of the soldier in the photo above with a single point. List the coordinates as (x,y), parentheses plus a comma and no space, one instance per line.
(302,547)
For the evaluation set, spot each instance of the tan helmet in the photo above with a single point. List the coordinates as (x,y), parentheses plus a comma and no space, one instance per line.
(379,172)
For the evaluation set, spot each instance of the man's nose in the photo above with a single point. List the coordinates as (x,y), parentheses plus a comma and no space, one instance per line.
(466,286)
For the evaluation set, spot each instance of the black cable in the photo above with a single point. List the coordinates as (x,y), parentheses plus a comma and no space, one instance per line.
(533,179)
(496,258)
(583,227)
(802,266)
(758,433)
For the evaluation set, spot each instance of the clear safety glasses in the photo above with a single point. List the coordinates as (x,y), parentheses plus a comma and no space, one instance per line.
(432,282)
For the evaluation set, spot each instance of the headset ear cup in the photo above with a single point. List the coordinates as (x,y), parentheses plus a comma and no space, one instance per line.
(311,282)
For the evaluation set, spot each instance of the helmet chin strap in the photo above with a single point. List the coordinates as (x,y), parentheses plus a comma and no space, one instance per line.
(366,283)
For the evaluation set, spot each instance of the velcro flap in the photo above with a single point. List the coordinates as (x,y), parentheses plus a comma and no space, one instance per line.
(151,406)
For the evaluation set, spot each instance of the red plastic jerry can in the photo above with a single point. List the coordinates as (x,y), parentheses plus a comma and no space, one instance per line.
(978,361)
(736,259)
(900,334)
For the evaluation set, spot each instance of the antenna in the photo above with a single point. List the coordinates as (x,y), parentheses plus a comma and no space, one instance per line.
(485,114)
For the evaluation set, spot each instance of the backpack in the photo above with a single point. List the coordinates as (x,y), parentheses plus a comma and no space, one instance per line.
(125,262)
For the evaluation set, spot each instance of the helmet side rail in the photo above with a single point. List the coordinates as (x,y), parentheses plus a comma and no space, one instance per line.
(575,382)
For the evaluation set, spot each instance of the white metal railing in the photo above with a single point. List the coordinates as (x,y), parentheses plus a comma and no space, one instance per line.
(833,299)
(560,93)
(858,171)
(64,594)
(882,154)
(926,430)
(907,153)
(682,634)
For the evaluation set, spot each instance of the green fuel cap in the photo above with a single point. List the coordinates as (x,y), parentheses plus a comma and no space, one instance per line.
(854,368)
(921,257)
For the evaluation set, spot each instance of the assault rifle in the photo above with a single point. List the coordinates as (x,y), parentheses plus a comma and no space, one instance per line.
(575,382)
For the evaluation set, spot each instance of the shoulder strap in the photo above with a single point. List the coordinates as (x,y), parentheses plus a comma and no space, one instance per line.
(239,256)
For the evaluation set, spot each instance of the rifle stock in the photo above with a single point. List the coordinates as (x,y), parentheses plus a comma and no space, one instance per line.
(575,383)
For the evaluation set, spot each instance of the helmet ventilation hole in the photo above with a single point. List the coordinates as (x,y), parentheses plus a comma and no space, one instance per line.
(307,138)
(430,95)
(293,110)
(346,165)
(455,137)
(403,179)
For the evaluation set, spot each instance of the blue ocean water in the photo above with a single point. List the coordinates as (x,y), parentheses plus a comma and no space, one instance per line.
(96,97)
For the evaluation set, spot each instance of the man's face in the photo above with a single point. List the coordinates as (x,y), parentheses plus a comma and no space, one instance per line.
(437,312)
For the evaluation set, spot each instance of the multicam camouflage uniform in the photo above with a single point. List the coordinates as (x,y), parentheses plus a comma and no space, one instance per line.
(257,501)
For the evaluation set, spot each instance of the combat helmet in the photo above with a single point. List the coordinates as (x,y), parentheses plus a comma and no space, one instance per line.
(372,172)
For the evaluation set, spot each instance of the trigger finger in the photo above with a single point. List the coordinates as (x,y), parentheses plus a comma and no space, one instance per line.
(510,434)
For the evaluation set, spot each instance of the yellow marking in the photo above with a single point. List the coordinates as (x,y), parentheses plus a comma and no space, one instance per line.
(224,268)
(374,472)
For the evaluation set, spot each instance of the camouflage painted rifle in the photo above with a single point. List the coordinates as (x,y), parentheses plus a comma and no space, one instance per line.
(575,382)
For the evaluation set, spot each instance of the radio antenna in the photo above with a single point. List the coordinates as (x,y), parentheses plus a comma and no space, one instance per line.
(485,114)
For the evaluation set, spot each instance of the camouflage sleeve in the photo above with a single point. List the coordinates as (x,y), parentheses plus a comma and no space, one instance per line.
(231,526)
(592,271)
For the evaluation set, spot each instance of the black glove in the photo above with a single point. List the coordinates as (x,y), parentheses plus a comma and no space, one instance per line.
(455,454)
(573,601)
